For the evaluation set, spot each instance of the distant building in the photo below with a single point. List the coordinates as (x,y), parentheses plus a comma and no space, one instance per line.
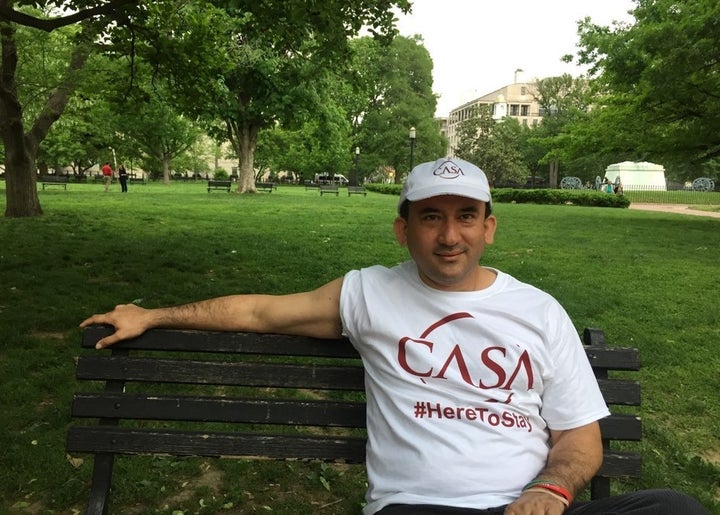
(517,100)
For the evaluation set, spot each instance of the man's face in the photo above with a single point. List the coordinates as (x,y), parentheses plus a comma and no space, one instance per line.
(446,236)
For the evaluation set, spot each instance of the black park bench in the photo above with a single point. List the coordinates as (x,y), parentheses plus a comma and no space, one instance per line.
(357,190)
(329,188)
(206,370)
(265,186)
(55,180)
(219,185)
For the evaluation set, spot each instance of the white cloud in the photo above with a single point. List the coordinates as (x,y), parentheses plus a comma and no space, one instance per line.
(476,45)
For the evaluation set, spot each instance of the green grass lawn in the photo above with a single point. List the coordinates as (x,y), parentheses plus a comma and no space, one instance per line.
(650,280)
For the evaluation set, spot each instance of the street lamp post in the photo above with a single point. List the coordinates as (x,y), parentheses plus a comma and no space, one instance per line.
(354,176)
(412,147)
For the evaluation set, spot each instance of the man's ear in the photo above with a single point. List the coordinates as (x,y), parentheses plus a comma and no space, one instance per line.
(490,226)
(400,228)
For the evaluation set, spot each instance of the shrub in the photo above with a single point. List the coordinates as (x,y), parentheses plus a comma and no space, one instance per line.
(220,174)
(534,196)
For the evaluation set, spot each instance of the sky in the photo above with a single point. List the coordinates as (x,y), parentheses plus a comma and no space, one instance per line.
(477,45)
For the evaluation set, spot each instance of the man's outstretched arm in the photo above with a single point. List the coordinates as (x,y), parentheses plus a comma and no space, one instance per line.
(314,313)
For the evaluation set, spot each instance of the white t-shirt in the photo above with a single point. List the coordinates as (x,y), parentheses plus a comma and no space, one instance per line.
(462,387)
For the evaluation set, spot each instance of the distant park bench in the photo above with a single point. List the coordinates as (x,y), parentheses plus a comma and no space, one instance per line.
(55,180)
(174,377)
(329,188)
(310,185)
(137,180)
(357,190)
(265,186)
(219,185)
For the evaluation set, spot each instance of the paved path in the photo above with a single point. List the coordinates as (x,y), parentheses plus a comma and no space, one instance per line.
(682,209)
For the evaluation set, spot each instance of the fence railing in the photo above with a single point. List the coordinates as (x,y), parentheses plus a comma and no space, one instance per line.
(659,195)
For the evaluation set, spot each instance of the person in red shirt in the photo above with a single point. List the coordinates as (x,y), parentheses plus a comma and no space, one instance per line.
(107,172)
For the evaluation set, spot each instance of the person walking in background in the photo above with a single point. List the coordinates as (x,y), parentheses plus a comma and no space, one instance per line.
(107,172)
(122,177)
(440,332)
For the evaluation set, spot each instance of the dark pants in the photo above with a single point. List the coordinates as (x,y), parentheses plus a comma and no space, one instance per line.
(644,502)
(123,183)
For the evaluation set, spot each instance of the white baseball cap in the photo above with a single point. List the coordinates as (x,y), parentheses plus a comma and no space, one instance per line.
(446,176)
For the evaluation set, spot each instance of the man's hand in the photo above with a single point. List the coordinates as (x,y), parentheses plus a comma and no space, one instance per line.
(536,503)
(128,320)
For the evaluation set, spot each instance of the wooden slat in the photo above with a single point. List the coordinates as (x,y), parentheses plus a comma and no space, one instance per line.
(220,373)
(255,445)
(226,342)
(613,358)
(215,409)
(621,464)
(620,391)
(621,427)
(219,444)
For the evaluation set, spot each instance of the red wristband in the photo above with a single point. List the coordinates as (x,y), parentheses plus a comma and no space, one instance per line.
(552,487)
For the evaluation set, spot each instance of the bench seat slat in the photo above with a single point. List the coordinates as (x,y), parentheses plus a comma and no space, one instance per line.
(203,443)
(213,409)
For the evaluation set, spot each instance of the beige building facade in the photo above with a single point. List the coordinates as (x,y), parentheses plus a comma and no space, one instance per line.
(518,100)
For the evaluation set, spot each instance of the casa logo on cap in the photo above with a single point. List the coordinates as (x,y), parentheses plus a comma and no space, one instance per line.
(448,170)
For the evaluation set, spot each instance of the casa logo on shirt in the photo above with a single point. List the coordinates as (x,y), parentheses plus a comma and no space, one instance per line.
(448,170)
(437,355)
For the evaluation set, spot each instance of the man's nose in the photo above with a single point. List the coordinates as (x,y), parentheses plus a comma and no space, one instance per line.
(450,234)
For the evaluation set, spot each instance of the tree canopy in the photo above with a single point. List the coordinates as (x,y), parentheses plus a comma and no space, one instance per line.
(249,64)
(661,79)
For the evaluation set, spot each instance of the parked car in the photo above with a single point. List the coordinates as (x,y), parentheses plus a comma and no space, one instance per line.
(338,178)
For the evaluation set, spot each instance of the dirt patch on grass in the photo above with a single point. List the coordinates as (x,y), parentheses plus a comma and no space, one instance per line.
(682,209)
(210,478)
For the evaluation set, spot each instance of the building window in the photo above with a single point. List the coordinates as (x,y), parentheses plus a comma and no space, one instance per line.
(524,109)
(523,90)
(514,109)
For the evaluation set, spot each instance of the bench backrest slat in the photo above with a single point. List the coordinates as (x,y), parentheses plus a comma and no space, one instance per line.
(203,443)
(215,409)
(224,342)
(220,373)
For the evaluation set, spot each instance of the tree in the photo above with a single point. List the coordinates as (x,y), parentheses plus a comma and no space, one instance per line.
(663,75)
(255,64)
(561,100)
(391,89)
(264,41)
(493,146)
(21,145)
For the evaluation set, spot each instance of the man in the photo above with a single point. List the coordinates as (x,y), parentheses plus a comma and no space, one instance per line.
(107,172)
(480,398)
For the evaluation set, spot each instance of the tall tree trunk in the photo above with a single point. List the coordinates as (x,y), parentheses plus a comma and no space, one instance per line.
(20,183)
(244,140)
(553,173)
(166,168)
